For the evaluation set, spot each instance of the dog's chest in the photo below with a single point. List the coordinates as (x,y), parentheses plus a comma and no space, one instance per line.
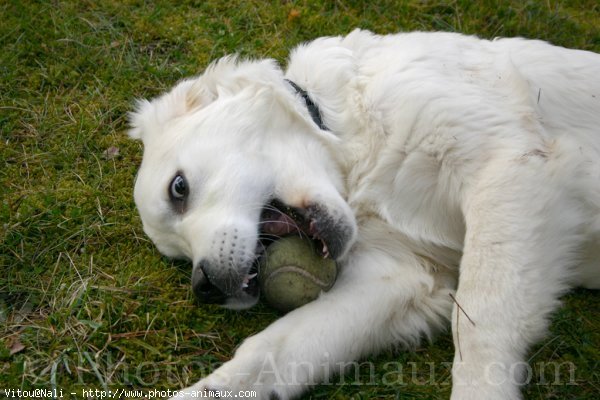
(416,193)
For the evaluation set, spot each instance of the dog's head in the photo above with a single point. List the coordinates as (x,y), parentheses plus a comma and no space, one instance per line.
(231,160)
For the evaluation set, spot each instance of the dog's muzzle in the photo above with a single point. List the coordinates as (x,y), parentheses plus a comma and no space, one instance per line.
(204,290)
(224,290)
(229,276)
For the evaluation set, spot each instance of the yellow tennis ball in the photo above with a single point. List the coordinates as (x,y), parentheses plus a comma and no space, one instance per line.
(292,274)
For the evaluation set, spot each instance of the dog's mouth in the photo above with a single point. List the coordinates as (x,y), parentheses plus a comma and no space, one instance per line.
(329,233)
(278,220)
(250,281)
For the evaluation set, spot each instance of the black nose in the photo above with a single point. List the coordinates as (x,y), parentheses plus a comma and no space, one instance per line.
(205,291)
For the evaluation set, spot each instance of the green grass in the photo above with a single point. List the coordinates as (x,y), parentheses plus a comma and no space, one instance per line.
(85,299)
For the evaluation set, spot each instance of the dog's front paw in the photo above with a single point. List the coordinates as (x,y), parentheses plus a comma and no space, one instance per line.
(255,372)
(199,390)
(211,388)
(207,390)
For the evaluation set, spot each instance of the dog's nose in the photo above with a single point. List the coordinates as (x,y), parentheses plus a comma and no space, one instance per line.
(205,291)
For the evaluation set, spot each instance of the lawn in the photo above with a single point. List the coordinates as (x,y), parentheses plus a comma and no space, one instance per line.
(86,301)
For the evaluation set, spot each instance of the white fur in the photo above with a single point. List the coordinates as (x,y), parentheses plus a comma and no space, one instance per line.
(470,167)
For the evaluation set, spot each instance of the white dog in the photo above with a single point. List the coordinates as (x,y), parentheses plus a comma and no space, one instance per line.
(455,180)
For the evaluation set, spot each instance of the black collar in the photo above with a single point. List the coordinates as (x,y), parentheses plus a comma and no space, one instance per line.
(313,109)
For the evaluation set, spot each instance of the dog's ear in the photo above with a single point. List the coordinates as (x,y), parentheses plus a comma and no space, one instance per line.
(199,95)
(137,117)
(220,79)
(149,117)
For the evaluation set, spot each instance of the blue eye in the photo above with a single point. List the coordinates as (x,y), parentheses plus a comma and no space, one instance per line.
(179,188)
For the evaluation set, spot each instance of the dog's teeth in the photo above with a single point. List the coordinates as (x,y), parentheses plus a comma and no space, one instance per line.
(247,279)
(325,250)
(312,228)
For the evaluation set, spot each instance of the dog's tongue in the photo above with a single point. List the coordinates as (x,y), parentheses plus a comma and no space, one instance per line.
(278,224)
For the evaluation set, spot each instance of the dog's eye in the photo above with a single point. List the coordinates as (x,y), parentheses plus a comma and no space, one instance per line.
(179,188)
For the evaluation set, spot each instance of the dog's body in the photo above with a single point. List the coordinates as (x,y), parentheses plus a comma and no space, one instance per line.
(457,180)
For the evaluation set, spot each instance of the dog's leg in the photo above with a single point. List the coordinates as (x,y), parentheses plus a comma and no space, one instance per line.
(521,238)
(372,305)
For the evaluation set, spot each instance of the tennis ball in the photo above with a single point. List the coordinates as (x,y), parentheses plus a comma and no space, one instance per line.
(292,274)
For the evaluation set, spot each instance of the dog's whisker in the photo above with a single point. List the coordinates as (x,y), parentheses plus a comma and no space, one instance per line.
(288,223)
